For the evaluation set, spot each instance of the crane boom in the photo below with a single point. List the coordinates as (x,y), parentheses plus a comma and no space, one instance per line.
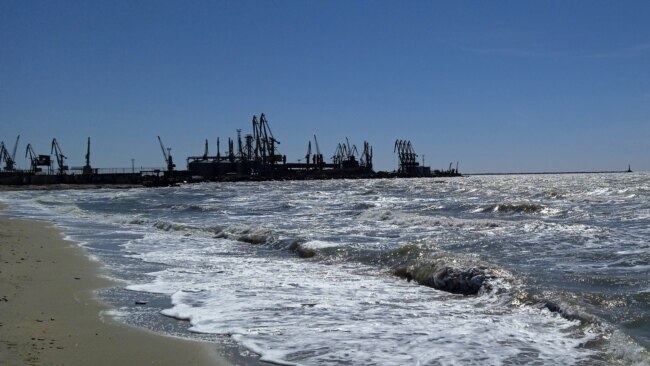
(13,153)
(318,158)
(317,148)
(4,155)
(9,158)
(205,150)
(29,151)
(56,149)
(88,153)
(162,147)
(168,156)
(87,169)
(308,156)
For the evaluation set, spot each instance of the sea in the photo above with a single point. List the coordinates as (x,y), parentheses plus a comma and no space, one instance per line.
(477,270)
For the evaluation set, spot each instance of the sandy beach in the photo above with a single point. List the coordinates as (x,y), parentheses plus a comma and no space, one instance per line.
(50,316)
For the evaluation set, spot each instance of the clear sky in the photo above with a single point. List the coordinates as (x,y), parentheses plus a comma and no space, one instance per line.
(511,86)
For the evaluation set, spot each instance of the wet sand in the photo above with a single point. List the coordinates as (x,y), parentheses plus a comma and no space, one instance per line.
(49,314)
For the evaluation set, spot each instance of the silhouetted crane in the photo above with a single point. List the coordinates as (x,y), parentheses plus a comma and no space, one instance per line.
(366,156)
(318,158)
(33,158)
(60,158)
(406,155)
(308,156)
(345,155)
(167,154)
(4,156)
(87,169)
(264,141)
(9,159)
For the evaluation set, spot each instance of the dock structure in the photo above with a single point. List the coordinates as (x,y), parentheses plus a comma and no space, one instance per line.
(256,157)
(410,167)
(253,156)
(408,159)
(42,172)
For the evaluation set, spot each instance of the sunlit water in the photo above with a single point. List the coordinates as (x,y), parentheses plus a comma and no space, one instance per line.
(315,272)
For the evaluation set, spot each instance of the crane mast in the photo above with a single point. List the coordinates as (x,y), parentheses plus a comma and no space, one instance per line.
(33,158)
(407,156)
(87,170)
(13,153)
(308,153)
(167,155)
(318,158)
(205,150)
(10,159)
(4,155)
(60,158)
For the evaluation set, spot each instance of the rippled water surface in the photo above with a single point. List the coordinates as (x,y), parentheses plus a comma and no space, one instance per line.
(531,269)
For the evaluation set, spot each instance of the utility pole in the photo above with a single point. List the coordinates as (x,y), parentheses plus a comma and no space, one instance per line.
(132,166)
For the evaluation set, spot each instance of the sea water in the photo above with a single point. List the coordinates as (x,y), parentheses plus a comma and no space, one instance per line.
(498,270)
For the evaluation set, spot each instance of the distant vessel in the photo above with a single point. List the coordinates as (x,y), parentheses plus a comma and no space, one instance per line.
(629,168)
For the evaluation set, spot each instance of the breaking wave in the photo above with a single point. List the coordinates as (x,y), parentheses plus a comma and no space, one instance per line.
(196,208)
(404,219)
(246,234)
(509,208)
(417,262)
(172,226)
(441,276)
(241,233)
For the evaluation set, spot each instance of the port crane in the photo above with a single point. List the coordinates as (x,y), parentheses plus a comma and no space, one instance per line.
(366,156)
(240,145)
(60,158)
(37,160)
(407,156)
(264,141)
(345,154)
(308,156)
(33,158)
(167,153)
(87,169)
(4,155)
(231,150)
(205,150)
(318,158)
(10,159)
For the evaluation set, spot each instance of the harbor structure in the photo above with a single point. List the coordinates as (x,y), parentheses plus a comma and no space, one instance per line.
(251,156)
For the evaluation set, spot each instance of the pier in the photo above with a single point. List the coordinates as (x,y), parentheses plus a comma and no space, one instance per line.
(251,157)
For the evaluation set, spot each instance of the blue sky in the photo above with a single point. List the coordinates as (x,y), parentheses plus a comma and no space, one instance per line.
(511,86)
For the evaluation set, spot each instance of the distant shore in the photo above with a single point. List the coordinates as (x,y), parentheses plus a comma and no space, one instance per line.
(44,187)
(49,314)
(553,173)
(381,175)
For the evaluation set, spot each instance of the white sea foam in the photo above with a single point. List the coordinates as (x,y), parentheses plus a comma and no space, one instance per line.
(318,244)
(343,314)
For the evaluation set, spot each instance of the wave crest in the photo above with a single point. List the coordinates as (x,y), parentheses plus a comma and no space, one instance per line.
(242,233)
(246,234)
(517,208)
(441,276)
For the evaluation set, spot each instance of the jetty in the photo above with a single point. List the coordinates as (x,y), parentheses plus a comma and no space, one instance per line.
(251,157)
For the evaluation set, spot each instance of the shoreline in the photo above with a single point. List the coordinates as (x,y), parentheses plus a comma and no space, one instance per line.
(50,314)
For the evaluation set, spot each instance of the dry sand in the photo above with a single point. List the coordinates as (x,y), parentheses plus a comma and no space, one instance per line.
(50,316)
